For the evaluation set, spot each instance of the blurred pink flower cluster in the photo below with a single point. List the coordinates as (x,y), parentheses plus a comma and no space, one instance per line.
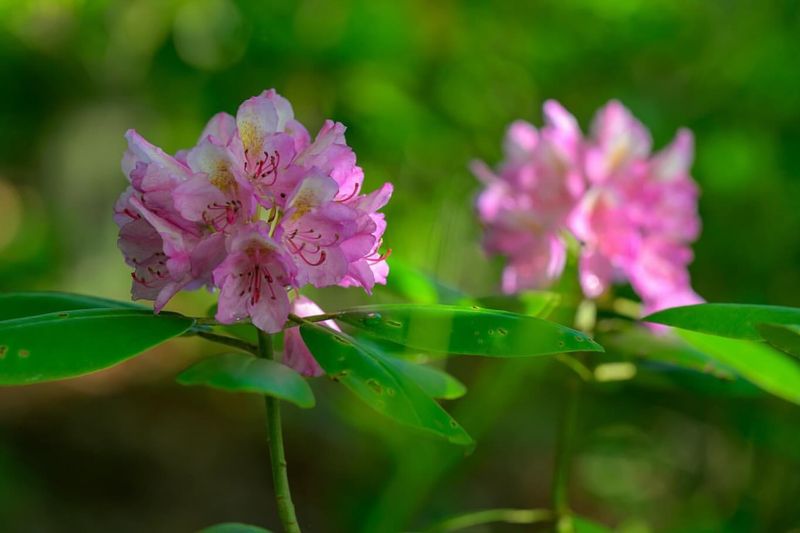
(255,209)
(634,212)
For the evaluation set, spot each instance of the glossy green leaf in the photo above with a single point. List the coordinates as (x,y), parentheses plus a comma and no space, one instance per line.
(671,350)
(681,381)
(239,372)
(434,382)
(72,343)
(234,527)
(785,337)
(22,304)
(770,370)
(737,321)
(532,303)
(465,330)
(416,286)
(366,373)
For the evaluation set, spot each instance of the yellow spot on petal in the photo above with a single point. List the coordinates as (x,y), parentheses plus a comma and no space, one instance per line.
(252,138)
(304,202)
(619,154)
(221,177)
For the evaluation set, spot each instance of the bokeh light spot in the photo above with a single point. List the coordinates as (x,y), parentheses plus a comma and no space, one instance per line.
(210,34)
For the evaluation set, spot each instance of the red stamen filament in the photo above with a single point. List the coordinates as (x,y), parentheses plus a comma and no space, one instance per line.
(266,166)
(230,210)
(255,279)
(308,237)
(383,257)
(351,195)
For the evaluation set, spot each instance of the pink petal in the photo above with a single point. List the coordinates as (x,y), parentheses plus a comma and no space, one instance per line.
(256,119)
(596,273)
(221,129)
(296,354)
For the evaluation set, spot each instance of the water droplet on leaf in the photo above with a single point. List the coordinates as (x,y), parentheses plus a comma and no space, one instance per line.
(372,319)
(375,386)
(340,375)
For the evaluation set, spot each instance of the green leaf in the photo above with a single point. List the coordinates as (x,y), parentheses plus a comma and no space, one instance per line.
(415,286)
(785,337)
(772,371)
(433,382)
(234,527)
(22,304)
(367,374)
(72,343)
(737,321)
(465,330)
(239,372)
(533,303)
(671,350)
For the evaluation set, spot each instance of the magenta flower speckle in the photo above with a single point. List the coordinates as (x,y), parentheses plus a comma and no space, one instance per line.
(254,210)
(634,213)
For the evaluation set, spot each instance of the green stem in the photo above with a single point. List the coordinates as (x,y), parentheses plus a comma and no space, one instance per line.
(507,516)
(228,341)
(205,321)
(315,318)
(564,448)
(585,319)
(280,479)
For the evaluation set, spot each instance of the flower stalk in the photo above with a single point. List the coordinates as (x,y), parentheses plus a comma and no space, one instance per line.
(585,320)
(280,479)
(564,447)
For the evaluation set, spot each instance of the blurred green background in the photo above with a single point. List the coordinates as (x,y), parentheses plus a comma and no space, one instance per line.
(424,87)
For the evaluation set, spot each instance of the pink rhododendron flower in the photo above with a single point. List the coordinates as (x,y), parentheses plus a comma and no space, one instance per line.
(252,279)
(527,201)
(634,213)
(167,251)
(295,352)
(254,210)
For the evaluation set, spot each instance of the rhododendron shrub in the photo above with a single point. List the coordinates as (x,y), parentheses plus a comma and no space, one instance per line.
(634,212)
(259,211)
(256,212)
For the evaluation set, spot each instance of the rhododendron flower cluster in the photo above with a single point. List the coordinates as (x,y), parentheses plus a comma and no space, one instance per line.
(634,212)
(257,208)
